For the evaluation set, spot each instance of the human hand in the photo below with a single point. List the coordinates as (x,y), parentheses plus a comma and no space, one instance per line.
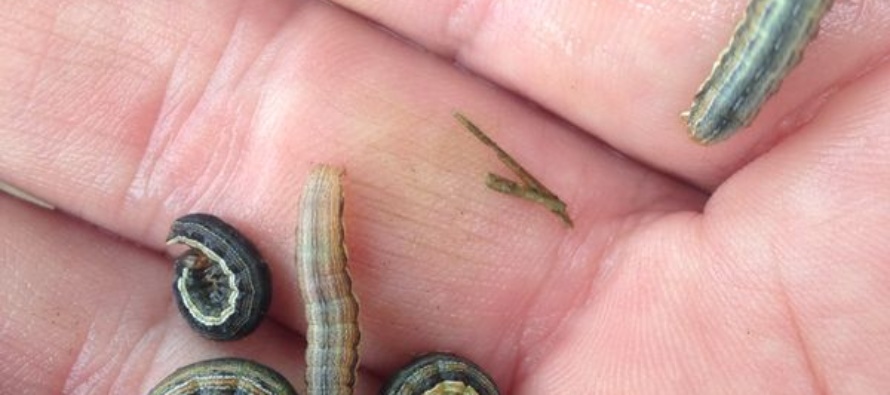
(755,266)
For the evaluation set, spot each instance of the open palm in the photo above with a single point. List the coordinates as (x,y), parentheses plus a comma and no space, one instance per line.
(757,266)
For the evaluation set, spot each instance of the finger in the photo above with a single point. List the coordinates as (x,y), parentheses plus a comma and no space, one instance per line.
(624,71)
(786,270)
(86,312)
(426,238)
(819,201)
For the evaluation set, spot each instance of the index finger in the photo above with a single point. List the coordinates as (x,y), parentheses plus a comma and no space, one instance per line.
(625,70)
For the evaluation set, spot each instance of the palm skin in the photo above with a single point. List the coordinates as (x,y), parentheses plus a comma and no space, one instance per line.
(757,266)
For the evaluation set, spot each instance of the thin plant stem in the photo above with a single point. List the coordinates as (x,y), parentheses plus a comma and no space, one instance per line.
(528,187)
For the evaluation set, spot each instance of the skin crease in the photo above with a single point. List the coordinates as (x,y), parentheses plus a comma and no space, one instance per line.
(757,266)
